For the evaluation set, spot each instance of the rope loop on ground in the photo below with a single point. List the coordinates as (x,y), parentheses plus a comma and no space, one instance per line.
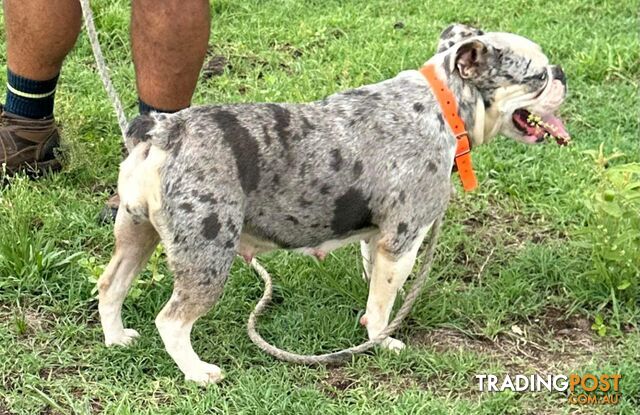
(342,355)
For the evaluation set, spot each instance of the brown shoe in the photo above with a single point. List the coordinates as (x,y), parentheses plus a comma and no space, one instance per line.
(28,145)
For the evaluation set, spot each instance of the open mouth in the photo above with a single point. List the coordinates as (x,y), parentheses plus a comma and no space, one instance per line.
(536,128)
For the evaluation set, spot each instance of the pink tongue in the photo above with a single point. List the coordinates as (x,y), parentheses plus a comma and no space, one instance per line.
(557,127)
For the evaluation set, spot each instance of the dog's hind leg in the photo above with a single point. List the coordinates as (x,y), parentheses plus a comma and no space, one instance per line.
(201,243)
(390,271)
(135,241)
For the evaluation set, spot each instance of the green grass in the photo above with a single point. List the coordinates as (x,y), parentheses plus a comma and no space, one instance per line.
(509,254)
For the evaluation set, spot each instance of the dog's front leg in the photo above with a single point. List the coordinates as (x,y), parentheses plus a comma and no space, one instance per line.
(390,271)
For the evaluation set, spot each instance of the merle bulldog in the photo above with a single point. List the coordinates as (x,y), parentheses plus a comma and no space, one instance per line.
(371,164)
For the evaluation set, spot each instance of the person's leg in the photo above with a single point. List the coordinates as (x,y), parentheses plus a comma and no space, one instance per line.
(169,40)
(39,34)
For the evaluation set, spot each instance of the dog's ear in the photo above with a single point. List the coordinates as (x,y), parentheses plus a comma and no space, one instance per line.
(456,33)
(472,59)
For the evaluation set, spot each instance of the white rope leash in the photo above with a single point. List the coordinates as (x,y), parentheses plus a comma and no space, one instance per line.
(342,355)
(256,338)
(102,66)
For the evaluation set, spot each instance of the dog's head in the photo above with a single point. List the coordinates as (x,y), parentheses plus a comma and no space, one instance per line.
(520,90)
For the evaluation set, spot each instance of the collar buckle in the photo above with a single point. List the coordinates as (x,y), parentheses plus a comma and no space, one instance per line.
(449,107)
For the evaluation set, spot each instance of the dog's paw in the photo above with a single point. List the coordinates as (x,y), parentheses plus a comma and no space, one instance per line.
(204,374)
(122,339)
(392,344)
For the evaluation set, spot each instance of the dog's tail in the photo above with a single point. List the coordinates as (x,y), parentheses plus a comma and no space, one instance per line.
(159,128)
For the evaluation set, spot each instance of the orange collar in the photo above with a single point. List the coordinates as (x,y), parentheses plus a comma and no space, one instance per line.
(449,107)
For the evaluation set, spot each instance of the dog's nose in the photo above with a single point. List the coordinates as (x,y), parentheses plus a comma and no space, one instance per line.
(558,74)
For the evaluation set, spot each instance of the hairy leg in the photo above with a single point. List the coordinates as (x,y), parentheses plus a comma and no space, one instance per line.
(40,34)
(169,40)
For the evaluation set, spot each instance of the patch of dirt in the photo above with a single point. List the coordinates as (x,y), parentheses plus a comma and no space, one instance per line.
(496,226)
(56,372)
(339,381)
(289,49)
(4,410)
(218,60)
(96,406)
(215,66)
(518,228)
(550,343)
(30,320)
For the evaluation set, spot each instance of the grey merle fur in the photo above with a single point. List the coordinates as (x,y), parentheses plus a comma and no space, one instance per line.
(372,163)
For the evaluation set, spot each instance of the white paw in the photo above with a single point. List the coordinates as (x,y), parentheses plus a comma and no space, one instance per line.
(392,344)
(122,339)
(204,374)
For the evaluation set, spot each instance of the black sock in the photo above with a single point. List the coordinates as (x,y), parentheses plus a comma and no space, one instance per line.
(29,98)
(145,108)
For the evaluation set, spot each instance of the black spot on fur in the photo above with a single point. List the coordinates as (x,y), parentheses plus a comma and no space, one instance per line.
(304,203)
(447,63)
(402,196)
(283,119)
(210,226)
(375,96)
(324,189)
(232,226)
(244,147)
(336,159)
(307,127)
(357,92)
(267,136)
(139,127)
(446,33)
(292,219)
(360,112)
(431,167)
(441,120)
(276,179)
(402,228)
(187,207)
(230,244)
(357,169)
(175,134)
(351,212)
(206,198)
(418,107)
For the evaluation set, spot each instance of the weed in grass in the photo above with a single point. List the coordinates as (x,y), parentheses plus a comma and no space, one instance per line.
(612,235)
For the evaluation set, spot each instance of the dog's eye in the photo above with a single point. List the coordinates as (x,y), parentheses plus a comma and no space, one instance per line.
(543,76)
